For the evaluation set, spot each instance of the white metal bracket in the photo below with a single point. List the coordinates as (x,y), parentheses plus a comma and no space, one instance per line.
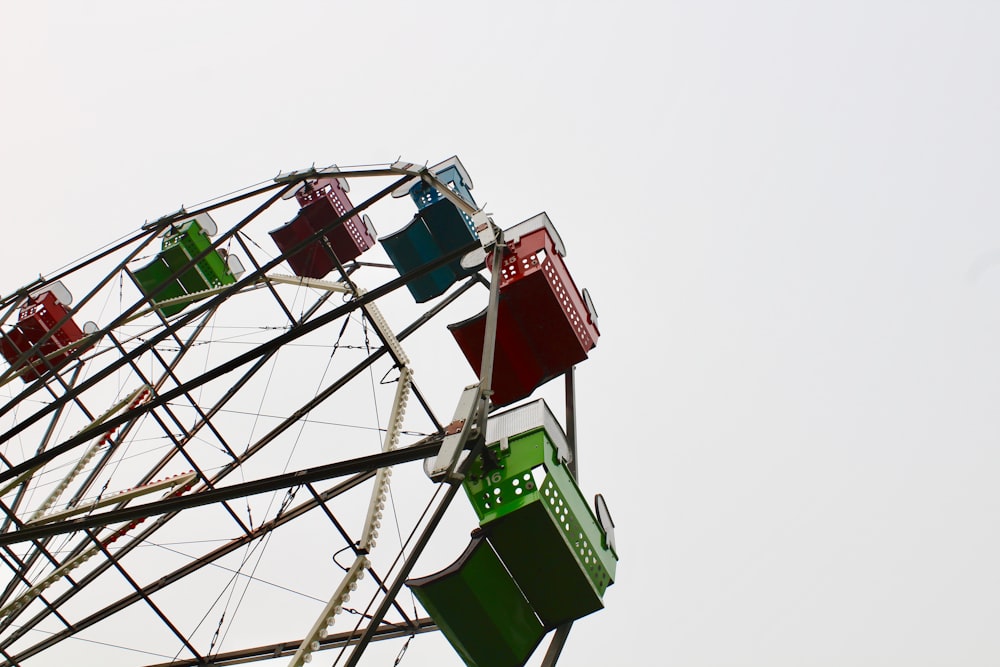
(604,519)
(456,435)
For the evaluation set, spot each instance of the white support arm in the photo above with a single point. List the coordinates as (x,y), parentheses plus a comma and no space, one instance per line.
(184,479)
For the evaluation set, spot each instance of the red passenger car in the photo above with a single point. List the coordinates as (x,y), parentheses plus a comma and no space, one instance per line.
(545,324)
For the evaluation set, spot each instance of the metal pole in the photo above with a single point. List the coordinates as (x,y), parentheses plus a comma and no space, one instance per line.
(571,420)
(562,632)
(288,648)
(490,339)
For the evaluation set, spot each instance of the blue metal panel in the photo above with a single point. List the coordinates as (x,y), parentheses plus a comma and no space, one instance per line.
(424,195)
(435,231)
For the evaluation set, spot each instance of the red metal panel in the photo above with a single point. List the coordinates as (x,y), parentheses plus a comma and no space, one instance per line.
(322,203)
(536,252)
(37,316)
(328,201)
(543,325)
(310,262)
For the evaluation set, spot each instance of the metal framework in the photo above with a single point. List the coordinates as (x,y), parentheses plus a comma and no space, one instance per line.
(156,433)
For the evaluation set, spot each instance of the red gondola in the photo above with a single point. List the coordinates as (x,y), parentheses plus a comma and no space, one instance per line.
(545,324)
(39,315)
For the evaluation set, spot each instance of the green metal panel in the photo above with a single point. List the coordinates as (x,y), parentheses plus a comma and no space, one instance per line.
(542,527)
(480,609)
(554,560)
(155,274)
(500,491)
(180,245)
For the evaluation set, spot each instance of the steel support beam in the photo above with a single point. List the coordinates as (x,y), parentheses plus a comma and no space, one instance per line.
(288,648)
(417,452)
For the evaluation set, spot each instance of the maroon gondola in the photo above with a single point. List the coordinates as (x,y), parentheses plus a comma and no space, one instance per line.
(322,202)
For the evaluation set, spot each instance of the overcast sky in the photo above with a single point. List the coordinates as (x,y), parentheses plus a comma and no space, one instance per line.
(785,212)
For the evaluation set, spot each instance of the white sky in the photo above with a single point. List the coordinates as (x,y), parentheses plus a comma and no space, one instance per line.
(785,213)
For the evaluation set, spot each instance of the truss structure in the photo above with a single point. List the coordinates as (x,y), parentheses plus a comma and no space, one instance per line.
(203,478)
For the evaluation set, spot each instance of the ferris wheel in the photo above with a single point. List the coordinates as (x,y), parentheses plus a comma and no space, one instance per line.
(198,450)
